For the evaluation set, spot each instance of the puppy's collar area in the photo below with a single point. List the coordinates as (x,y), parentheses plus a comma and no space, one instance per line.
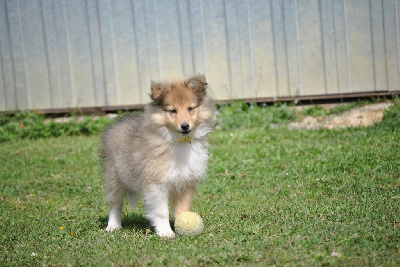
(185,139)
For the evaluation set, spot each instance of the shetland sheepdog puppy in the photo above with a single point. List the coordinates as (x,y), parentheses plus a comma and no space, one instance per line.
(161,153)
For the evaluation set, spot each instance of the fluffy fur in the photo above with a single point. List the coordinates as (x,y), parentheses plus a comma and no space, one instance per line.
(161,153)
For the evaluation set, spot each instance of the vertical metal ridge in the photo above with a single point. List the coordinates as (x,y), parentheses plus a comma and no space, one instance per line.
(11,57)
(298,36)
(274,49)
(228,52)
(240,48)
(140,82)
(71,73)
(191,37)
(286,50)
(336,53)
(321,28)
(114,54)
(397,6)
(26,88)
(348,52)
(56,43)
(204,39)
(372,44)
(2,75)
(335,57)
(160,62)
(103,67)
(180,36)
(4,82)
(47,53)
(252,61)
(91,54)
(384,45)
(147,53)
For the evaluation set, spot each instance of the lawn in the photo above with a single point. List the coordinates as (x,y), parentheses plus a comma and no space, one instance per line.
(272,196)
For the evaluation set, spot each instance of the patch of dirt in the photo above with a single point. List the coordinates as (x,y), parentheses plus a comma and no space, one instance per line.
(363,116)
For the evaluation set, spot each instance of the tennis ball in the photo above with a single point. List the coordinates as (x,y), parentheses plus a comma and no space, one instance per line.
(189,223)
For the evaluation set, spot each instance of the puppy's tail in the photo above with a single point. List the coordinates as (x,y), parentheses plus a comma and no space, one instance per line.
(133,199)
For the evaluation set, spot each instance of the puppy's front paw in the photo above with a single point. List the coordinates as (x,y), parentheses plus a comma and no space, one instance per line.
(169,234)
(111,228)
(165,231)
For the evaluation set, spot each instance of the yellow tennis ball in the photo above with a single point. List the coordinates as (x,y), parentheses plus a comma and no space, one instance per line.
(189,223)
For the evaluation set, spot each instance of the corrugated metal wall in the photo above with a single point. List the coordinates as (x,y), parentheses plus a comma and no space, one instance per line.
(85,53)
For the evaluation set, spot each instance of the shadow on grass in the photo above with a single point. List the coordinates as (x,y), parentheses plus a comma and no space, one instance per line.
(133,221)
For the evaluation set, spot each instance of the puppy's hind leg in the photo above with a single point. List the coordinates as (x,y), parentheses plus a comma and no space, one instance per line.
(115,194)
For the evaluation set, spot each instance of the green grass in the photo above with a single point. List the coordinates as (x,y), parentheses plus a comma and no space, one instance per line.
(271,197)
(242,115)
(33,125)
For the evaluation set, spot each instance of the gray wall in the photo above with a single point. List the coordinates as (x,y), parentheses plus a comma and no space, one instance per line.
(87,53)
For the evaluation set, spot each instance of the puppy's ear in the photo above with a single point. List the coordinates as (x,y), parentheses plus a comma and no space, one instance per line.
(157,89)
(197,83)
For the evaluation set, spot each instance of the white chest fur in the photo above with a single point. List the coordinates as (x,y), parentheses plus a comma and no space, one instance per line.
(188,164)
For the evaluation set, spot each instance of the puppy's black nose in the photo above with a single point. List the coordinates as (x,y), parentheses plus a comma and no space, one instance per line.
(185,126)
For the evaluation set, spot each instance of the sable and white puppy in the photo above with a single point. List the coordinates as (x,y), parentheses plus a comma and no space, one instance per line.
(161,153)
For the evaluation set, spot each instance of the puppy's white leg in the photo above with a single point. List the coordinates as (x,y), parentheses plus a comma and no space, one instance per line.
(114,220)
(116,200)
(157,211)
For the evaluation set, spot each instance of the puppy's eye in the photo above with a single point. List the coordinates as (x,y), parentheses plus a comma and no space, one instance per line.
(173,111)
(190,109)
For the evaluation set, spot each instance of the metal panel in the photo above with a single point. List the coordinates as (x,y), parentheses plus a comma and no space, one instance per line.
(341,45)
(7,82)
(65,93)
(51,49)
(361,60)
(96,54)
(17,50)
(263,44)
(292,39)
(35,53)
(328,44)
(311,47)
(378,46)
(217,69)
(57,54)
(246,49)
(141,47)
(186,37)
(125,54)
(197,28)
(391,14)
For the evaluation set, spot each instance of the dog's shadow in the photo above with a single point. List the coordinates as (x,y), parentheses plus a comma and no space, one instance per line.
(132,221)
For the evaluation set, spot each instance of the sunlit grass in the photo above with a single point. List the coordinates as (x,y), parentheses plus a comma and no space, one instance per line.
(271,197)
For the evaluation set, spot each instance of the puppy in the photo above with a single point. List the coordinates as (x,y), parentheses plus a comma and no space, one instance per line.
(161,153)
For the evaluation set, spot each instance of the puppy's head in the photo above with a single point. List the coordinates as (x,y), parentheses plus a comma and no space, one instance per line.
(177,102)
